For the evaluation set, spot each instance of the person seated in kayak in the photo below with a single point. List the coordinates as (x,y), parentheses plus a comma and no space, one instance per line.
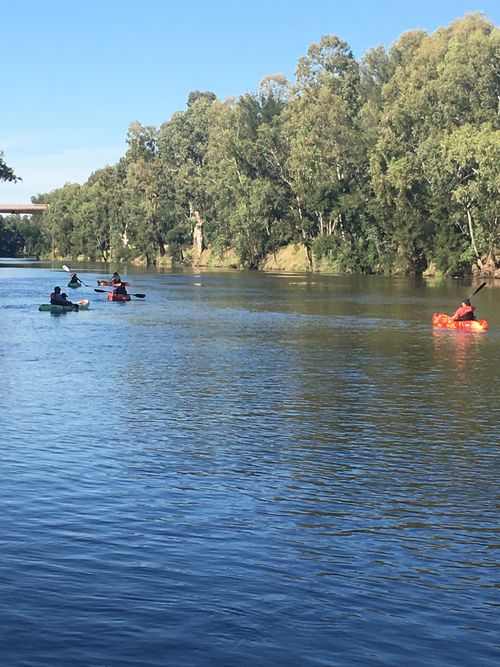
(464,312)
(65,302)
(75,279)
(55,296)
(115,278)
(120,289)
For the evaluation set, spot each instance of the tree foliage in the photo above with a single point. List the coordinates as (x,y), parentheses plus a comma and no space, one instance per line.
(6,172)
(389,164)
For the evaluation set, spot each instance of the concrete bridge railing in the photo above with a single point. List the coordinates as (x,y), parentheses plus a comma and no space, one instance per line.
(23,208)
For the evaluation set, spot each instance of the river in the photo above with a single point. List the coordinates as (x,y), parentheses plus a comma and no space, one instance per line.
(247,469)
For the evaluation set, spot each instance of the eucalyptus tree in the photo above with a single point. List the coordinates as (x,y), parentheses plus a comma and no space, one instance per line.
(252,155)
(182,144)
(105,197)
(467,172)
(222,177)
(469,168)
(146,195)
(99,220)
(327,157)
(441,82)
(274,96)
(377,67)
(61,219)
(76,221)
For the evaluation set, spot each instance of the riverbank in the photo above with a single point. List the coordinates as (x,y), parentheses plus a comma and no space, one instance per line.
(289,259)
(293,258)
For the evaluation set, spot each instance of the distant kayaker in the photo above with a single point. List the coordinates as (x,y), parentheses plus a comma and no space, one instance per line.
(75,279)
(464,312)
(115,278)
(55,296)
(120,289)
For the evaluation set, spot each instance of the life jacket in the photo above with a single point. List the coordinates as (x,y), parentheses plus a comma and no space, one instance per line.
(467,313)
(55,298)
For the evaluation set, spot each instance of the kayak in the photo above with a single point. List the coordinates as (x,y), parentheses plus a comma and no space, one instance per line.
(74,285)
(108,283)
(118,297)
(53,308)
(443,321)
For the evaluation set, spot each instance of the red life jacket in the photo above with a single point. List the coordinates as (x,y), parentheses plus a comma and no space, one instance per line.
(466,313)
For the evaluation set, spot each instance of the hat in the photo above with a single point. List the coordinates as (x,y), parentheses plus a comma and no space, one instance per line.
(466,301)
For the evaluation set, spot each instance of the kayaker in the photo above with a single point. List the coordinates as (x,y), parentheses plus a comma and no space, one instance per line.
(65,302)
(115,278)
(120,289)
(464,312)
(55,296)
(75,279)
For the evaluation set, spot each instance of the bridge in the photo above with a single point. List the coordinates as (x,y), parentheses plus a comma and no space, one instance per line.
(23,208)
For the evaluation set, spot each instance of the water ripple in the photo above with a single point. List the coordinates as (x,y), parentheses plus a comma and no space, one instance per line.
(251,473)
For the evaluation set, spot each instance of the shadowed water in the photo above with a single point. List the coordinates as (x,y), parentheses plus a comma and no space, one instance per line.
(247,469)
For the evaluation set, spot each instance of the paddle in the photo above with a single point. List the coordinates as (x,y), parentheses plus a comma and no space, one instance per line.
(107,291)
(478,289)
(66,268)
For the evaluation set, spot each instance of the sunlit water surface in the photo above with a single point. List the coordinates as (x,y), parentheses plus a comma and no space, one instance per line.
(246,469)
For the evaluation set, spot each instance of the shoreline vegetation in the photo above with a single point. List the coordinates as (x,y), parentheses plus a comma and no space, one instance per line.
(289,259)
(384,165)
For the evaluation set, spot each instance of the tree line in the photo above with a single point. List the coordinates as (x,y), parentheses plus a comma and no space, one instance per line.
(389,164)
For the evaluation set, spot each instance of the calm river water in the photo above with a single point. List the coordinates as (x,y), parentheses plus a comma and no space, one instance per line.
(247,470)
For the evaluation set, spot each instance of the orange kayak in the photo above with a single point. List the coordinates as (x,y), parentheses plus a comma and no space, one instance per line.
(118,297)
(443,321)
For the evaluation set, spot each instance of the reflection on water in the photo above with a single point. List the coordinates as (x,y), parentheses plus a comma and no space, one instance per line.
(458,348)
(246,472)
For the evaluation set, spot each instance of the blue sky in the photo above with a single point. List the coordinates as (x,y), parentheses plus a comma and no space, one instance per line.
(76,73)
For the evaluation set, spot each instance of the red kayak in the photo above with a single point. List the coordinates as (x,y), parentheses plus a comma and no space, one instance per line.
(118,297)
(108,283)
(443,321)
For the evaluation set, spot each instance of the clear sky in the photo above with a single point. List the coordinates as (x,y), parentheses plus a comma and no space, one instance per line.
(76,73)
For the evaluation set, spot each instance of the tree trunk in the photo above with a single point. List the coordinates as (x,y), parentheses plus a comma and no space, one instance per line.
(198,243)
(305,236)
(473,238)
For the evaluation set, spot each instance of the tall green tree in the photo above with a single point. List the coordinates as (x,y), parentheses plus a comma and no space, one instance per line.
(147,194)
(60,220)
(105,193)
(420,110)
(183,142)
(253,157)
(327,152)
(469,169)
